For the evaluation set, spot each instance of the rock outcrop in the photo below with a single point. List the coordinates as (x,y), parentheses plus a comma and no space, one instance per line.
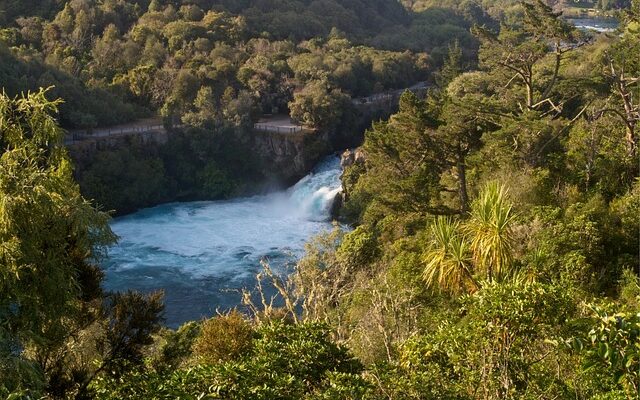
(350,157)
(287,157)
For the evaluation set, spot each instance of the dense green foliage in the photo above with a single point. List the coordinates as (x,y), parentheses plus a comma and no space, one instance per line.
(84,107)
(214,66)
(283,361)
(226,59)
(54,316)
(494,252)
(505,282)
(194,164)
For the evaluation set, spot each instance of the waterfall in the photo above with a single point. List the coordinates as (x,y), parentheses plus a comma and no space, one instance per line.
(314,194)
(200,252)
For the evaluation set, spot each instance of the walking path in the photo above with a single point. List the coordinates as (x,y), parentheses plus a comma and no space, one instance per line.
(139,126)
(392,94)
(276,123)
(284,124)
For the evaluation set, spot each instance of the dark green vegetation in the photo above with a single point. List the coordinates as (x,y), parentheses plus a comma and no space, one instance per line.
(194,164)
(53,312)
(207,61)
(494,253)
(502,7)
(214,67)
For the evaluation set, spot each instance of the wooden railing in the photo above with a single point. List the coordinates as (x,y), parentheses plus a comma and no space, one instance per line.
(88,134)
(279,129)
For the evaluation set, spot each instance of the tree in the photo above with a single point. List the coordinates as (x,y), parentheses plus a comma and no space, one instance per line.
(107,54)
(520,51)
(405,161)
(622,70)
(448,261)
(481,247)
(498,346)
(612,347)
(459,129)
(490,231)
(267,75)
(284,362)
(50,236)
(130,321)
(240,110)
(31,30)
(206,110)
(319,105)
(224,338)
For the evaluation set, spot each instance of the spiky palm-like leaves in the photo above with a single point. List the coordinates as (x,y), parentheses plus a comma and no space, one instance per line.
(481,246)
(490,231)
(448,261)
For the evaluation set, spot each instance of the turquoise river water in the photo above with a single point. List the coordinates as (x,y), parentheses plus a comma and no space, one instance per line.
(201,253)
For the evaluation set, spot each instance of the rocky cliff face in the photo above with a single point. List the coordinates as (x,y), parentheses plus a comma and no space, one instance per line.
(287,157)
(277,160)
(351,161)
(284,157)
(350,157)
(83,152)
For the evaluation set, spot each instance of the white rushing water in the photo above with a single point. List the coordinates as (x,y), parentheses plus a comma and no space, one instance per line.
(601,25)
(199,252)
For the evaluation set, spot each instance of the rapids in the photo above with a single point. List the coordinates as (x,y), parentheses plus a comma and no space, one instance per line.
(601,25)
(200,253)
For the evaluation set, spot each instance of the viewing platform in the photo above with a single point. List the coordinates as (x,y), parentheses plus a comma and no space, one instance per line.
(139,127)
(279,124)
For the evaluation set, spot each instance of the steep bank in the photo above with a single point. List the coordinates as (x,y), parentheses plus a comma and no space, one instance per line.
(287,157)
(129,172)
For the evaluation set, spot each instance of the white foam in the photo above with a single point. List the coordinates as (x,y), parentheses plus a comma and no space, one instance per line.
(595,24)
(223,237)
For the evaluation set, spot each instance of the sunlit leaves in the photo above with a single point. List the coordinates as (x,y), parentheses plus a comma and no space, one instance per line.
(49,234)
(448,260)
(481,247)
(613,345)
(490,230)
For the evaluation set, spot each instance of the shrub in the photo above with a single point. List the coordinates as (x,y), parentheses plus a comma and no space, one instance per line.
(224,338)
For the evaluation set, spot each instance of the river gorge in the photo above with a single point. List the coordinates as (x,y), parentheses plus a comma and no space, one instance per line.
(202,253)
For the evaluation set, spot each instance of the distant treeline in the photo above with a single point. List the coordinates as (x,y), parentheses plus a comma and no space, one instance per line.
(221,60)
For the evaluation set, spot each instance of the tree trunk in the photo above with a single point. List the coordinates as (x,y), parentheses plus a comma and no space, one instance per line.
(529,86)
(630,138)
(630,112)
(462,182)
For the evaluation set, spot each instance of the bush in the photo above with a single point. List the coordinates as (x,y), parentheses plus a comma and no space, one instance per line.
(224,338)
(288,362)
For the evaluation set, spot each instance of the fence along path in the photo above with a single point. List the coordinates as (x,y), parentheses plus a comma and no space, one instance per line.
(141,126)
(284,124)
(390,95)
(279,124)
(265,127)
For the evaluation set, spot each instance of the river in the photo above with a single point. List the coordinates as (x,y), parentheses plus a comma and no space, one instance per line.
(201,253)
(601,25)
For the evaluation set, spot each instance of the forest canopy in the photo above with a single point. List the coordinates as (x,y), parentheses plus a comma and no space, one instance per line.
(150,57)
(488,245)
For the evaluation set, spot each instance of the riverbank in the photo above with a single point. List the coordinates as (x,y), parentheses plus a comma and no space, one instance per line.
(125,173)
(585,12)
(601,25)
